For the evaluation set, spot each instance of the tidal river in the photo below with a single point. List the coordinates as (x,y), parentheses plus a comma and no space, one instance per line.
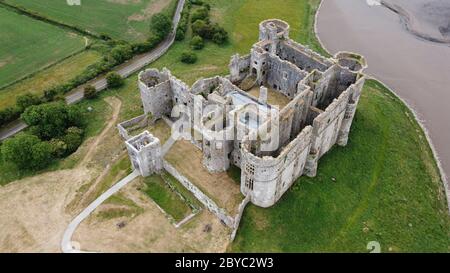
(407,46)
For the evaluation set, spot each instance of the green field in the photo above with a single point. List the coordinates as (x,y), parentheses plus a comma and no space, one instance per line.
(29,45)
(120,19)
(57,74)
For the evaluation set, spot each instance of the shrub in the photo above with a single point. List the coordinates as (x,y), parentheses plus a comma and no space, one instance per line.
(180,34)
(90,92)
(121,53)
(188,57)
(114,80)
(27,100)
(197,42)
(50,94)
(202,29)
(73,139)
(58,147)
(161,25)
(8,115)
(200,14)
(196,2)
(220,36)
(183,23)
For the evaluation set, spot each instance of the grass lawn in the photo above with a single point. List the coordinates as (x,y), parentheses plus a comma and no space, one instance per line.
(167,199)
(57,74)
(29,45)
(126,20)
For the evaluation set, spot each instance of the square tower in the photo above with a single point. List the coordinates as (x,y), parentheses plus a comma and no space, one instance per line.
(145,153)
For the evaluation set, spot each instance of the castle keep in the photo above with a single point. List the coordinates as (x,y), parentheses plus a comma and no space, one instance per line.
(281,108)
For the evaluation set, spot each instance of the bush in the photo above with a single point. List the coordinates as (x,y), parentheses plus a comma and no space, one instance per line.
(197,42)
(220,36)
(50,94)
(202,29)
(196,2)
(183,23)
(27,100)
(114,80)
(58,148)
(90,92)
(200,14)
(121,53)
(73,139)
(8,115)
(180,34)
(161,25)
(188,57)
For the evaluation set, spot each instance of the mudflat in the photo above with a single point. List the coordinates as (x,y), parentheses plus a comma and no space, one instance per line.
(417,69)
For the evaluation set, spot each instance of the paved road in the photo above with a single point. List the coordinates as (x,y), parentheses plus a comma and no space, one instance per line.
(99,83)
(66,243)
(416,69)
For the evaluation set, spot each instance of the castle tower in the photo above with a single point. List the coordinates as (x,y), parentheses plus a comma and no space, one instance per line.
(144,151)
(353,64)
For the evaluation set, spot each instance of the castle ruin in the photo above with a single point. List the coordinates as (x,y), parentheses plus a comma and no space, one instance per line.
(281,108)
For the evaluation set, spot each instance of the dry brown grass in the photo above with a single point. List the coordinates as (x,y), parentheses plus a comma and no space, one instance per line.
(273,97)
(218,186)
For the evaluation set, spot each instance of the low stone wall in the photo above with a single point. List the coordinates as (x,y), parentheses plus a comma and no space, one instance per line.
(137,122)
(237,218)
(203,198)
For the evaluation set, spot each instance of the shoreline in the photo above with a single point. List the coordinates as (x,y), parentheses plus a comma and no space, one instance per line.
(425,131)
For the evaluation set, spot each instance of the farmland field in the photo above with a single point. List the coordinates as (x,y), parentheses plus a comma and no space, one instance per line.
(121,19)
(59,73)
(28,45)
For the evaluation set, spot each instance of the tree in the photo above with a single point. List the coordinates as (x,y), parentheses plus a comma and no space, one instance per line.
(9,114)
(50,120)
(122,53)
(19,150)
(202,29)
(188,57)
(114,80)
(41,154)
(197,42)
(90,92)
(200,14)
(220,36)
(161,25)
(27,100)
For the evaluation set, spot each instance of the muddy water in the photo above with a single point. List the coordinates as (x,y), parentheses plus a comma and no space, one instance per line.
(417,69)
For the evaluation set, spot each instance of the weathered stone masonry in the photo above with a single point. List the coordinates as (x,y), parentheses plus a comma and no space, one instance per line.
(322,95)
